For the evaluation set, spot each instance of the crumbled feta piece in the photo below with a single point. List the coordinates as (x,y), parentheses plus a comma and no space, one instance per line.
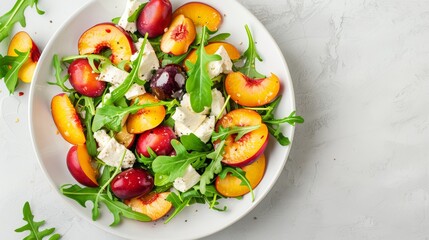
(130,8)
(180,129)
(149,62)
(190,119)
(113,75)
(217,103)
(205,130)
(102,138)
(111,151)
(134,91)
(221,66)
(189,179)
(186,102)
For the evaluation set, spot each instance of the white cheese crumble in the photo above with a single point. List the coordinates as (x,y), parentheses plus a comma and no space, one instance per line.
(189,179)
(116,77)
(111,152)
(150,61)
(130,8)
(221,66)
(187,121)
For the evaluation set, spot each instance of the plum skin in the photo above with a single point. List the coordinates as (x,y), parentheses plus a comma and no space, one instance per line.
(155,18)
(168,82)
(133,182)
(158,139)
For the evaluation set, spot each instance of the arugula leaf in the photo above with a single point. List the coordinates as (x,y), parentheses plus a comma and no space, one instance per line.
(175,166)
(223,133)
(214,167)
(120,91)
(292,119)
(117,208)
(240,174)
(13,63)
(33,226)
(60,81)
(178,204)
(199,82)
(91,145)
(110,116)
(103,60)
(277,134)
(3,69)
(193,143)
(219,37)
(250,56)
(136,13)
(16,14)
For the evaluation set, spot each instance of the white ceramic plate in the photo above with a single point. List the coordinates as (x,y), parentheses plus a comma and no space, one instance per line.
(196,221)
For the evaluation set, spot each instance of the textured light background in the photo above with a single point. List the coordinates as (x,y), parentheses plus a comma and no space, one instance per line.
(358,168)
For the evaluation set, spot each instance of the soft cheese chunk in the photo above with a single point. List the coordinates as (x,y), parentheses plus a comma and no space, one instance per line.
(205,130)
(190,119)
(111,152)
(134,91)
(221,66)
(186,102)
(130,8)
(113,75)
(189,179)
(150,61)
(217,103)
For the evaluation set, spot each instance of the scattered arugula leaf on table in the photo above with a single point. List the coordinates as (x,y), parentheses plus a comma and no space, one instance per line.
(199,82)
(16,14)
(33,226)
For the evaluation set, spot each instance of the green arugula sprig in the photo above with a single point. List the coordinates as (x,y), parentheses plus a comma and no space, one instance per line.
(92,58)
(60,80)
(273,124)
(111,116)
(240,174)
(33,226)
(16,14)
(132,77)
(223,133)
(175,166)
(249,57)
(199,82)
(214,167)
(10,66)
(102,194)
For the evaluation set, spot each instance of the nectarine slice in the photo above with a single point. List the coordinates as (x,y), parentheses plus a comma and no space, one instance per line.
(67,120)
(248,148)
(23,43)
(231,186)
(146,118)
(80,166)
(107,35)
(252,92)
(154,205)
(125,138)
(211,48)
(179,36)
(201,14)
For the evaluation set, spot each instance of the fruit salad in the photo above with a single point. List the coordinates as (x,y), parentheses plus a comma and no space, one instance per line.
(162,112)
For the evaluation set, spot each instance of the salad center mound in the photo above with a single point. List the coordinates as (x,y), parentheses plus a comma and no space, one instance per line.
(162,112)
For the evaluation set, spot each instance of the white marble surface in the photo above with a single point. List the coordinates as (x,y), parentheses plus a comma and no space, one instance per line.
(359,165)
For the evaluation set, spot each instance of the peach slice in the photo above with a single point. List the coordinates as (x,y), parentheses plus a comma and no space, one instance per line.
(107,35)
(147,118)
(252,92)
(153,205)
(231,186)
(248,148)
(201,14)
(179,36)
(80,166)
(125,138)
(211,48)
(67,120)
(23,43)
